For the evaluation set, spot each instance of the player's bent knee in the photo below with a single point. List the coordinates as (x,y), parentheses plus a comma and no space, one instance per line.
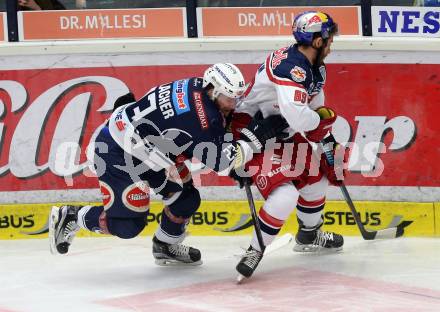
(126,228)
(281,201)
(187,203)
(284,194)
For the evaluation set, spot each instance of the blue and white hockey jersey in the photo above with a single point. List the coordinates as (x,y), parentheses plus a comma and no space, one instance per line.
(287,84)
(173,119)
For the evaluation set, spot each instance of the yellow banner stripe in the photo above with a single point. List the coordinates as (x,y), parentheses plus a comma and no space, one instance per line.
(20,221)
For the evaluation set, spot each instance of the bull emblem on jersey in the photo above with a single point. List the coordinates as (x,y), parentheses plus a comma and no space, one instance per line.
(298,74)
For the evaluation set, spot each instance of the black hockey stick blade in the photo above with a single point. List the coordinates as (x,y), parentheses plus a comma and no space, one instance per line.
(391,232)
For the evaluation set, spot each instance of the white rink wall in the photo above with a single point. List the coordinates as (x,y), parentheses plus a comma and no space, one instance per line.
(46,56)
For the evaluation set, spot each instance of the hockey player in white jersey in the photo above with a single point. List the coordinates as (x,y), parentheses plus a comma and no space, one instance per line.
(290,82)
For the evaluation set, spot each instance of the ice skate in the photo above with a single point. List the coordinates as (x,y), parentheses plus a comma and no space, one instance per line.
(172,254)
(314,239)
(248,263)
(62,228)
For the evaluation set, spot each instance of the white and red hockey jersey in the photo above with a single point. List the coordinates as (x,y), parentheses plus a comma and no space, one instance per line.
(287,84)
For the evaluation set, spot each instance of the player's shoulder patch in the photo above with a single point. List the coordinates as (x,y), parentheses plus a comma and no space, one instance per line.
(180,96)
(298,74)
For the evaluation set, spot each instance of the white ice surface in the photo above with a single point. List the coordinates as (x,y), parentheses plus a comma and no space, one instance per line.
(99,270)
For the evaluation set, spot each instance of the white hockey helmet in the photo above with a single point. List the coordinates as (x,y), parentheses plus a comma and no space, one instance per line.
(226,79)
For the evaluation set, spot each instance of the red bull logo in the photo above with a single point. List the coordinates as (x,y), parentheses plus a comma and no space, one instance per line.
(298,74)
(318,18)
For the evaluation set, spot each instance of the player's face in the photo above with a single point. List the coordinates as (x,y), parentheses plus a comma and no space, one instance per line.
(226,104)
(326,51)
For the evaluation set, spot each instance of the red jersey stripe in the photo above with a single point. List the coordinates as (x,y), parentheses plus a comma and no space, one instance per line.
(311,204)
(269,220)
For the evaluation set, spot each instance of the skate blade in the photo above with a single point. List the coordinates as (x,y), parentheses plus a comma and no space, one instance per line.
(241,278)
(53,220)
(171,262)
(315,249)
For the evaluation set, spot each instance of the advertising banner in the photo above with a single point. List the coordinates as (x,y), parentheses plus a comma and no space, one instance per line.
(268,21)
(3,27)
(98,24)
(220,218)
(406,21)
(48,117)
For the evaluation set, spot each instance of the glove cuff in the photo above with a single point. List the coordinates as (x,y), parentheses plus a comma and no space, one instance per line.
(244,154)
(250,137)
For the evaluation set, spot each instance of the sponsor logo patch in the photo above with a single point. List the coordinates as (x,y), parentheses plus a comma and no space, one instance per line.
(136,199)
(108,197)
(261,182)
(200,110)
(180,96)
(298,74)
(120,124)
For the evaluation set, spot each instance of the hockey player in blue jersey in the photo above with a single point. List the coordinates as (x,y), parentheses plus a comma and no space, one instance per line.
(143,147)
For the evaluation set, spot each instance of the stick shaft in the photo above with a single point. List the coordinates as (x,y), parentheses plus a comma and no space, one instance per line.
(254,215)
(328,152)
(354,212)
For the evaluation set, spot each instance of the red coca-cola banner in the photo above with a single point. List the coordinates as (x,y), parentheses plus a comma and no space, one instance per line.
(43,113)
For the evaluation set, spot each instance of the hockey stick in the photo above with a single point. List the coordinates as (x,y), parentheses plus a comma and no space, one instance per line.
(391,232)
(276,244)
(251,202)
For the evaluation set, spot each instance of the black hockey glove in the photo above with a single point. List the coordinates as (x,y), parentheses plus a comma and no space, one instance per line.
(238,178)
(262,129)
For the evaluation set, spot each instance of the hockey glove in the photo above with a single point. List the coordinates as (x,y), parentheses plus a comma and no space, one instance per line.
(260,129)
(238,178)
(328,117)
(336,169)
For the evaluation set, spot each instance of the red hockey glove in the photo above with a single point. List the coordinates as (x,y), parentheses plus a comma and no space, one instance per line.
(328,117)
(337,171)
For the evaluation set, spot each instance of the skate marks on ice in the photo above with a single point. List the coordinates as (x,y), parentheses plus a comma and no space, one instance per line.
(291,289)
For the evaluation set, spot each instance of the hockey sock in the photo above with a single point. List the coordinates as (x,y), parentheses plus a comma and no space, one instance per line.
(172,228)
(269,226)
(310,212)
